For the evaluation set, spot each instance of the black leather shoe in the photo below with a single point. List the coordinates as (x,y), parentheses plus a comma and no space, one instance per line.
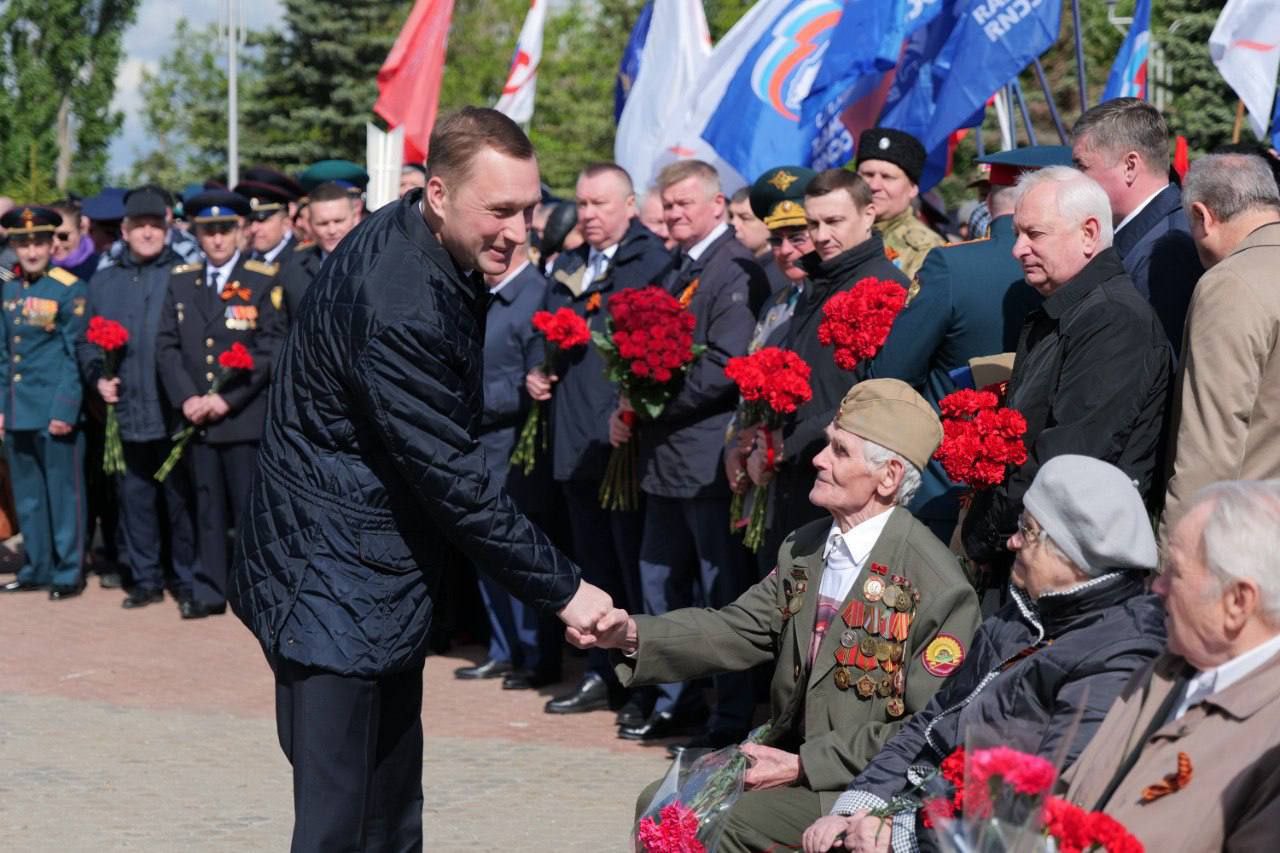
(661,724)
(192,609)
(58,592)
(488,669)
(527,679)
(591,694)
(714,739)
(634,712)
(23,586)
(141,598)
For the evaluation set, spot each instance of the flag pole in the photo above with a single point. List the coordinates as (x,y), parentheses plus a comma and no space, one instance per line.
(1239,125)
(1022,108)
(1080,78)
(1048,99)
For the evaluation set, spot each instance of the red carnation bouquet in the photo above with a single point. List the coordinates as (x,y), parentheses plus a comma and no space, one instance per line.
(231,360)
(980,439)
(111,337)
(647,346)
(856,322)
(562,331)
(773,382)
(1000,800)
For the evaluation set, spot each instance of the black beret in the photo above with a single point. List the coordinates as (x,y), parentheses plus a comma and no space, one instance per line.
(893,146)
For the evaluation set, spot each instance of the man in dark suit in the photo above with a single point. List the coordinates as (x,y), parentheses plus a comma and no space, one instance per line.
(619,253)
(686,542)
(968,300)
(333,215)
(208,307)
(371,480)
(1123,144)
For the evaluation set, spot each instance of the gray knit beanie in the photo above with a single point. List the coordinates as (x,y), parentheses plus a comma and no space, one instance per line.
(1093,512)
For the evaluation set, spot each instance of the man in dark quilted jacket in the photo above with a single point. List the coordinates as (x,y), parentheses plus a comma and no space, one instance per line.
(371,479)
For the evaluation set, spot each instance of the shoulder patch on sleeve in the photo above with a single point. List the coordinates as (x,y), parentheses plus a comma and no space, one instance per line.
(277,297)
(261,267)
(186,268)
(943,655)
(62,276)
(913,291)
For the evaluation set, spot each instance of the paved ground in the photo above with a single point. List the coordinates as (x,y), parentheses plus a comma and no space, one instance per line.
(128,730)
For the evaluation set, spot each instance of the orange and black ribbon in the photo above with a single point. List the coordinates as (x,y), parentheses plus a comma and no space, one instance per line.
(1172,783)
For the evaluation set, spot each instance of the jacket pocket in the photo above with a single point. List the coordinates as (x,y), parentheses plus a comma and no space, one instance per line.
(386,552)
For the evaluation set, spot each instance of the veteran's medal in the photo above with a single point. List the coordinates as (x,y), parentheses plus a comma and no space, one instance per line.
(873,589)
(842,678)
(896,707)
(866,687)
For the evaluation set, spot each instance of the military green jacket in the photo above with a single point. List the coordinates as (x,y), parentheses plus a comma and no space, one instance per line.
(39,375)
(838,730)
(907,240)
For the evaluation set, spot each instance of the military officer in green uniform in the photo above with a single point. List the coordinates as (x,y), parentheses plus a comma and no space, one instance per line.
(864,617)
(209,306)
(968,300)
(891,161)
(44,316)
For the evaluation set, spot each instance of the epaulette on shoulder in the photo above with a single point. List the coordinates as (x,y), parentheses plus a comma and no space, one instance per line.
(301,246)
(185,268)
(261,267)
(62,276)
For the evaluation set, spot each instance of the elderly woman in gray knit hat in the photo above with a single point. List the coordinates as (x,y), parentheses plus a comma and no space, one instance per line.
(1044,669)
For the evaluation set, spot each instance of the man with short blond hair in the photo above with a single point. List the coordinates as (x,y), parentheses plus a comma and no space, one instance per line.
(1227,405)
(1093,365)
(332,214)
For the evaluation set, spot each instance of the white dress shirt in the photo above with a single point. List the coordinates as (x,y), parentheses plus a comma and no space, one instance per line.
(597,262)
(223,272)
(1210,681)
(699,247)
(846,553)
(1133,214)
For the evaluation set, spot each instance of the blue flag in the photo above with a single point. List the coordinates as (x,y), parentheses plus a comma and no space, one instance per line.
(1128,77)
(1275,125)
(755,126)
(866,43)
(629,67)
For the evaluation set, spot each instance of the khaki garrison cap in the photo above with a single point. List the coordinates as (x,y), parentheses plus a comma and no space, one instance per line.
(889,412)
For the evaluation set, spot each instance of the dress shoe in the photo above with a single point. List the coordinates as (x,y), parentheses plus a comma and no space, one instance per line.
(488,669)
(59,591)
(661,724)
(591,694)
(141,598)
(527,679)
(23,586)
(192,609)
(711,740)
(110,580)
(634,712)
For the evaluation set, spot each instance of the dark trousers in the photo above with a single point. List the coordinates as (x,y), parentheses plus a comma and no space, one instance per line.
(156,518)
(356,749)
(518,633)
(221,475)
(688,557)
(49,498)
(100,496)
(606,546)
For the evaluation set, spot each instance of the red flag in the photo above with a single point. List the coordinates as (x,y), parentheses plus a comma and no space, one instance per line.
(409,81)
(1181,161)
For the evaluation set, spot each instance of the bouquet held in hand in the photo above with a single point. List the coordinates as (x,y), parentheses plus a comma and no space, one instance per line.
(980,439)
(856,322)
(773,383)
(111,337)
(231,360)
(562,331)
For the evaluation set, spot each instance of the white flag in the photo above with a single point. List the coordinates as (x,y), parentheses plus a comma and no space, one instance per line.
(1245,45)
(517,94)
(674,56)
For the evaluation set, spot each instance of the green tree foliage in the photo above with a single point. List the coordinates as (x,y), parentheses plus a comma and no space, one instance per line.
(1203,105)
(58,63)
(319,81)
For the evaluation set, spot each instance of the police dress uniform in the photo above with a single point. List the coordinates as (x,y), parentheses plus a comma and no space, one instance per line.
(269,193)
(906,239)
(40,382)
(200,321)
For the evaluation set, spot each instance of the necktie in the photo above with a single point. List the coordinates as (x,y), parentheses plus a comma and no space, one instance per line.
(214,278)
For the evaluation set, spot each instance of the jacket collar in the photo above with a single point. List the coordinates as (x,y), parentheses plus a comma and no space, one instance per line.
(1263,235)
(408,218)
(167,258)
(1056,612)
(1252,693)
(1002,229)
(1161,205)
(839,269)
(1105,265)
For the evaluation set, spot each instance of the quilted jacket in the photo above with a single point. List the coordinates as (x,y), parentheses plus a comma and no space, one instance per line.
(370,475)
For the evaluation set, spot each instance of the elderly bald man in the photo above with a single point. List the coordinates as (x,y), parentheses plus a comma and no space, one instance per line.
(1092,374)
(865,616)
(1187,758)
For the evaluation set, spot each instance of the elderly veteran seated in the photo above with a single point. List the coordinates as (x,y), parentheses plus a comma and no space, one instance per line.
(1189,756)
(1046,667)
(865,615)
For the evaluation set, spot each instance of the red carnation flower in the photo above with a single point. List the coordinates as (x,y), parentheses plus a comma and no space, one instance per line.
(107,334)
(979,440)
(236,358)
(857,322)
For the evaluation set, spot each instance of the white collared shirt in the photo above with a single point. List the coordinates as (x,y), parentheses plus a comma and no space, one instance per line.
(274,252)
(846,553)
(696,250)
(1210,681)
(597,262)
(224,272)
(512,272)
(1133,214)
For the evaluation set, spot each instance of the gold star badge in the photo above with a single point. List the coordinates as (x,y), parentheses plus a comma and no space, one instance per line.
(782,180)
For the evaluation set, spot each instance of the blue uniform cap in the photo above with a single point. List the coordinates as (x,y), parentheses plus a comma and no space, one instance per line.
(106,206)
(216,206)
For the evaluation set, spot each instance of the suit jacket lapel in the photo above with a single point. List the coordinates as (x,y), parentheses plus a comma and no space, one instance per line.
(887,551)
(1165,202)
